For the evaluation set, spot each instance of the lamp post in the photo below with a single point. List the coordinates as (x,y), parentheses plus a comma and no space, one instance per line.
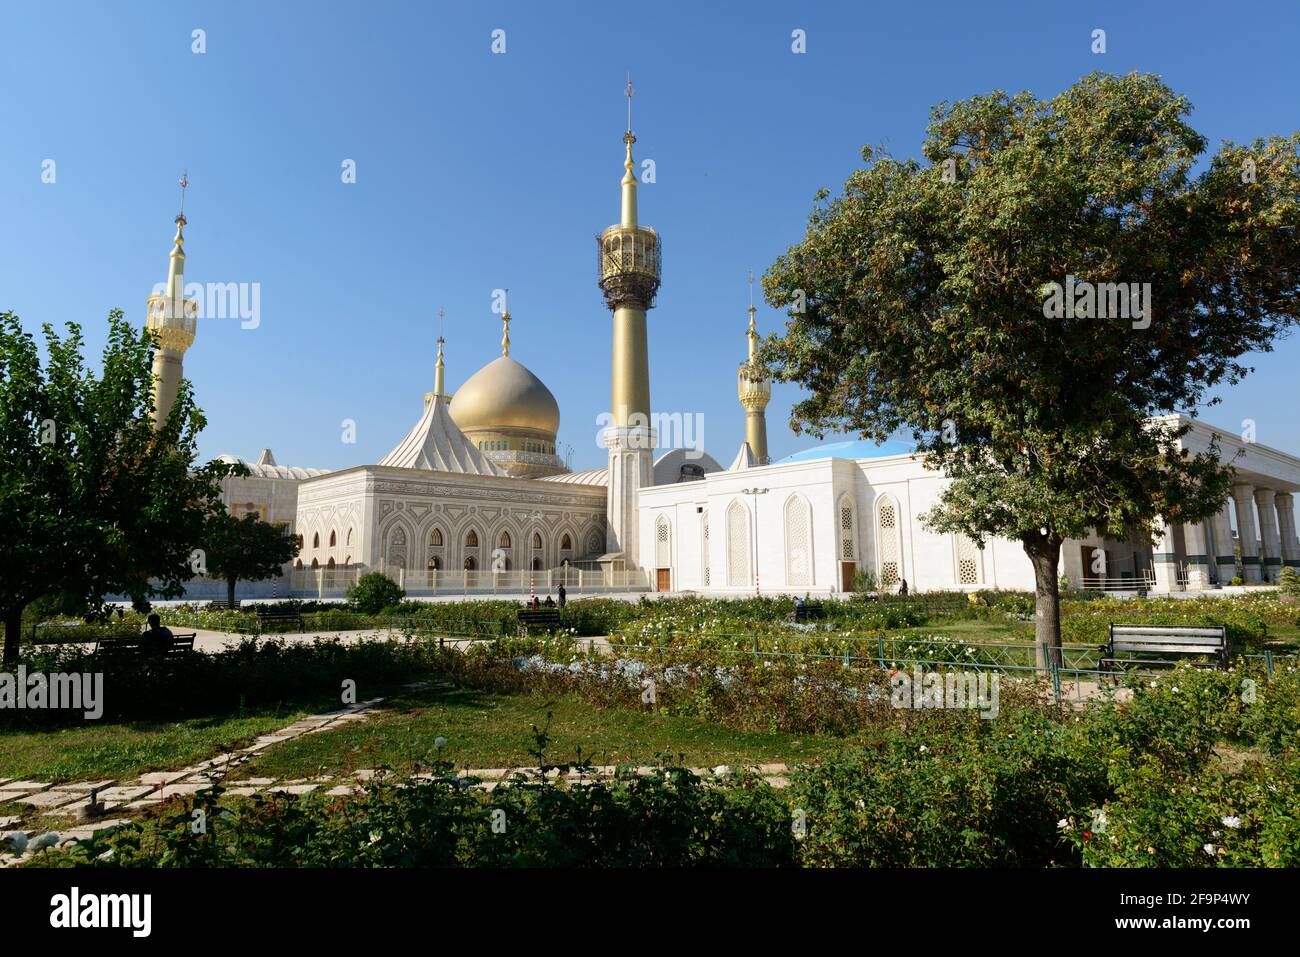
(754,493)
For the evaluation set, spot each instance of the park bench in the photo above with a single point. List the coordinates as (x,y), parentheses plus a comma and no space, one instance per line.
(132,646)
(266,617)
(221,604)
(807,612)
(1166,641)
(545,619)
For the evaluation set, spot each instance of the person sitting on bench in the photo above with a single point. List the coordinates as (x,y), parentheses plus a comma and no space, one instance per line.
(550,602)
(155,639)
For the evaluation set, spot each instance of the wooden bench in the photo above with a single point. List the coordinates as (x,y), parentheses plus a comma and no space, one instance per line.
(1128,640)
(133,647)
(265,618)
(546,619)
(221,604)
(807,612)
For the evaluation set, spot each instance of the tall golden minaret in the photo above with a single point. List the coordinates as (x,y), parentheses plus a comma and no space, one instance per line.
(755,391)
(173,319)
(629,277)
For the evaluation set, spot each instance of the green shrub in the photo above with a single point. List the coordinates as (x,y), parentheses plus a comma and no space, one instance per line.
(373,592)
(255,672)
(1207,819)
(668,818)
(1289,582)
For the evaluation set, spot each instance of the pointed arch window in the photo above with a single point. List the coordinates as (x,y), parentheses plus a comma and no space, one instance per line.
(704,547)
(663,542)
(889,542)
(848,527)
(739,568)
(968,560)
(798,541)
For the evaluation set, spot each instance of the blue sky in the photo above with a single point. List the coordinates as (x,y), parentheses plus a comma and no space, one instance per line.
(477,171)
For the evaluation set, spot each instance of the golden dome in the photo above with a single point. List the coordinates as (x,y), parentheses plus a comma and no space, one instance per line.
(505,395)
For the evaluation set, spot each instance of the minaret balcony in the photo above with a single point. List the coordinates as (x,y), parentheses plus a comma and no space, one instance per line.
(630,261)
(753,389)
(174,323)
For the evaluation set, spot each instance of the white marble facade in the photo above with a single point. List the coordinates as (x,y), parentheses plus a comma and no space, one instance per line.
(821,519)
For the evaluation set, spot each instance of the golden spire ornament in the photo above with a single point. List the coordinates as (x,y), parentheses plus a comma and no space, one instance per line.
(505,326)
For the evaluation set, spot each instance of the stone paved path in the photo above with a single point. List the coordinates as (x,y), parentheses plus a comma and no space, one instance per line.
(72,801)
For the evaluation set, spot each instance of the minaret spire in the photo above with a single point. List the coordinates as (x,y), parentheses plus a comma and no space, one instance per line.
(628,217)
(176,262)
(173,321)
(754,389)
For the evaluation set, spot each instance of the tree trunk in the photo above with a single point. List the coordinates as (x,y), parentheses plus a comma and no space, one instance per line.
(230,592)
(1045,555)
(13,633)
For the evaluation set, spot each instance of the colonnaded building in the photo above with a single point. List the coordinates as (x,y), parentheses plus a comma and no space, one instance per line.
(474,500)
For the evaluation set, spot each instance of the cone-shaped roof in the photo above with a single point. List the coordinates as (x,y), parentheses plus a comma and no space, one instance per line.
(436,444)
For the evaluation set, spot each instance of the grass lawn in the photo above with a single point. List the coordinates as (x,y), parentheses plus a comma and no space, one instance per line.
(94,751)
(495,731)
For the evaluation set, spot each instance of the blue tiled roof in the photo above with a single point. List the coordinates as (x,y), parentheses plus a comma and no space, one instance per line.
(852,449)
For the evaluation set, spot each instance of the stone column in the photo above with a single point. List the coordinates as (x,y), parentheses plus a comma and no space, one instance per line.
(1286,522)
(1271,560)
(1223,555)
(1165,558)
(1198,556)
(1244,501)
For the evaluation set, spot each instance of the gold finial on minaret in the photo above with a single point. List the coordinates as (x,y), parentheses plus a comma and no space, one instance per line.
(173,320)
(754,389)
(628,217)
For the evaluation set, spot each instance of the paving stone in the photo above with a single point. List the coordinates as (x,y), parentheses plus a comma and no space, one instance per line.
(164,777)
(342,790)
(127,792)
(89,831)
(4,781)
(85,787)
(242,791)
(26,786)
(258,782)
(179,790)
(9,822)
(7,797)
(51,798)
(293,788)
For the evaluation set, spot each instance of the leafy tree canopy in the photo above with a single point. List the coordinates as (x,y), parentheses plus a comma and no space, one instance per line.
(93,500)
(921,299)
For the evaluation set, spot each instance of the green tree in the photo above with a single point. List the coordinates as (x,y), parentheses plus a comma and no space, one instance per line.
(246,548)
(919,302)
(373,592)
(93,500)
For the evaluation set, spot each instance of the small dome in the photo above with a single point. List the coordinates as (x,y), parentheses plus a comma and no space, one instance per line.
(505,395)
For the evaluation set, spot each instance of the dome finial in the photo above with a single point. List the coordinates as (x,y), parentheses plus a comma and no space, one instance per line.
(439,365)
(505,325)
